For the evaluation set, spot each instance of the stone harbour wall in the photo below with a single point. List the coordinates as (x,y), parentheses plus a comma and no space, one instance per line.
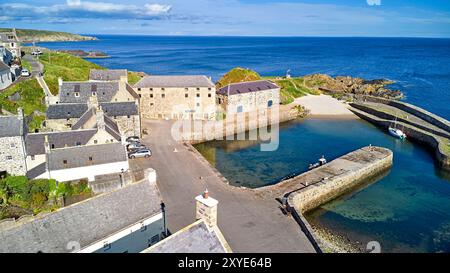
(317,194)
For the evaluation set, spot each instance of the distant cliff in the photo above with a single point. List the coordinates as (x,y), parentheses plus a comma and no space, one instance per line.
(31,35)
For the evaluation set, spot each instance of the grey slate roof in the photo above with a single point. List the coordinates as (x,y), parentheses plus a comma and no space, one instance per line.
(77,110)
(12,126)
(195,238)
(107,75)
(85,222)
(36,171)
(3,66)
(120,108)
(34,143)
(105,91)
(80,156)
(66,110)
(83,119)
(174,81)
(247,87)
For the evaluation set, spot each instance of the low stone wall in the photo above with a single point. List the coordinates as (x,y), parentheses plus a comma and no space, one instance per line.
(200,131)
(413,133)
(412,109)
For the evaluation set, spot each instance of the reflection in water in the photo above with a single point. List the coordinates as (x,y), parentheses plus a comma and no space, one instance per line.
(406,210)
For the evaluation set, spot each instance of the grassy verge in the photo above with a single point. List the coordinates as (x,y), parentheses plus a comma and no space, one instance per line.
(133,77)
(65,66)
(20,196)
(31,97)
(292,88)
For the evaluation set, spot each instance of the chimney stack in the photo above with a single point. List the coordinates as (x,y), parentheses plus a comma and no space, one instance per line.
(206,209)
(100,117)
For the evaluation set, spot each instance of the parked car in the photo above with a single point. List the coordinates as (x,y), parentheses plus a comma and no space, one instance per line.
(135,146)
(25,73)
(141,153)
(36,52)
(133,139)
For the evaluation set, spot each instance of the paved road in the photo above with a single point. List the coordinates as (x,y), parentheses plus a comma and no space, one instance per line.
(249,222)
(36,67)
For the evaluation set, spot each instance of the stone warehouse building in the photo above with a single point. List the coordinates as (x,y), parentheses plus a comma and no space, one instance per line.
(13,130)
(115,96)
(177,97)
(248,96)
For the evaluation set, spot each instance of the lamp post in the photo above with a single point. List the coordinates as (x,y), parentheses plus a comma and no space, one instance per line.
(163,209)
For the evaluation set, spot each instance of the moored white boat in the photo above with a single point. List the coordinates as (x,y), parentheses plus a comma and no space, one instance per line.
(397,133)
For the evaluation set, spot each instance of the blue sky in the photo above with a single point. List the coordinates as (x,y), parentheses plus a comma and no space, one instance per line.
(387,18)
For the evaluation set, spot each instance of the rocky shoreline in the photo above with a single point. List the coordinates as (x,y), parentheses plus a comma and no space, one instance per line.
(335,243)
(345,87)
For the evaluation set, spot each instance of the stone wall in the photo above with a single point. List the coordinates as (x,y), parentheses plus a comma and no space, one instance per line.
(412,109)
(129,126)
(178,103)
(201,131)
(315,195)
(12,155)
(250,101)
(434,142)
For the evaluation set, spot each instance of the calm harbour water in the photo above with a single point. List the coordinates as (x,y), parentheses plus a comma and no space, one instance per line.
(408,209)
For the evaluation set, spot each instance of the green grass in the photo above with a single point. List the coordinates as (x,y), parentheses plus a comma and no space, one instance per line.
(31,97)
(65,66)
(237,74)
(292,88)
(26,65)
(133,77)
(20,196)
(31,101)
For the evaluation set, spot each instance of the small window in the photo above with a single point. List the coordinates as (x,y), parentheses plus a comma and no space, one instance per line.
(128,116)
(65,161)
(151,104)
(209,88)
(140,96)
(198,104)
(77,94)
(209,95)
(52,146)
(155,239)
(95,141)
(78,143)
(186,95)
(139,89)
(90,158)
(163,96)
(8,157)
(187,89)
(151,89)
(94,94)
(198,89)
(162,89)
(198,95)
(151,95)
(32,157)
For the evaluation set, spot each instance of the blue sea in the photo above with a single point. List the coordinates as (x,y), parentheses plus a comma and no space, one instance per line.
(406,210)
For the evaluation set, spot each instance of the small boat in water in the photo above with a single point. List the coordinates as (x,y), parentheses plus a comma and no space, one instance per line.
(394,131)
(397,133)
(322,161)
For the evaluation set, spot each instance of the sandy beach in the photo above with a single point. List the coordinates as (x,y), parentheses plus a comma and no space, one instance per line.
(325,106)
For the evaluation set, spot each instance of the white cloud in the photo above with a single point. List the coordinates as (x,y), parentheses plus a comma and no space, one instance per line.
(374,2)
(76,9)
